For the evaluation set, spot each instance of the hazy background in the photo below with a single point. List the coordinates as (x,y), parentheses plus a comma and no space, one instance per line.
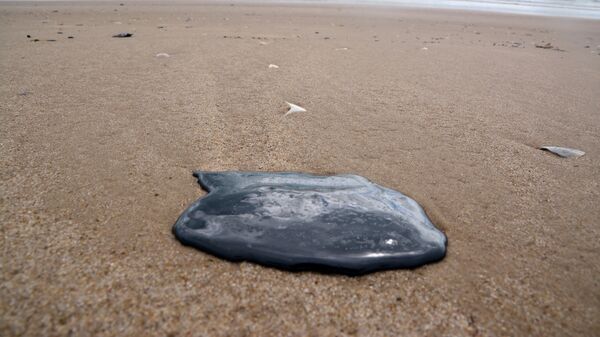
(567,8)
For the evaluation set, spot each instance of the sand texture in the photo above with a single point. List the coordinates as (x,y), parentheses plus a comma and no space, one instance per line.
(99,138)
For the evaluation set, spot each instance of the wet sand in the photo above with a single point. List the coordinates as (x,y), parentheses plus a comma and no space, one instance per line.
(99,137)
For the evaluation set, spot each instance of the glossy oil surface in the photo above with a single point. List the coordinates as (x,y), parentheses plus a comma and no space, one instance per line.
(343,224)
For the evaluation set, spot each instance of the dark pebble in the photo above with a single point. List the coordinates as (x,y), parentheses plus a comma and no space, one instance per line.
(123,35)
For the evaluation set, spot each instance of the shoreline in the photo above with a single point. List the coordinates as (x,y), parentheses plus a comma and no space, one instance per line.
(490,7)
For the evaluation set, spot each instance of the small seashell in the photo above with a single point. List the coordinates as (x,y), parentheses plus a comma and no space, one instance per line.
(564,152)
(294,108)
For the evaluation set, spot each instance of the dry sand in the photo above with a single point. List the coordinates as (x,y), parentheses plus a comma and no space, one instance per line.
(96,159)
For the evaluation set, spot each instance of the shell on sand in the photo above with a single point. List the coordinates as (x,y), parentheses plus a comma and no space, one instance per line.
(294,108)
(564,152)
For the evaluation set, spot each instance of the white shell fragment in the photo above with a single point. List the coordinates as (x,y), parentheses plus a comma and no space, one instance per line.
(294,108)
(163,55)
(274,66)
(564,152)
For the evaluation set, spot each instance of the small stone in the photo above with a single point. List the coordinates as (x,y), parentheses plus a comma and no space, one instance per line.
(544,46)
(122,35)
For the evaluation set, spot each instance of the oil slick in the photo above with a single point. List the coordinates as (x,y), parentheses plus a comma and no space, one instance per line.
(344,224)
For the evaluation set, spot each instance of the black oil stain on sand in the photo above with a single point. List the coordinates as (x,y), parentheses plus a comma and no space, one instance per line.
(293,221)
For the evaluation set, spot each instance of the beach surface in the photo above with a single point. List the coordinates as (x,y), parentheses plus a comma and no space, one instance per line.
(99,138)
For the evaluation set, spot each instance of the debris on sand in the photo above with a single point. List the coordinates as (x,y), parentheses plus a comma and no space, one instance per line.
(547,45)
(163,55)
(544,45)
(123,35)
(70,37)
(273,66)
(344,48)
(564,152)
(344,224)
(294,108)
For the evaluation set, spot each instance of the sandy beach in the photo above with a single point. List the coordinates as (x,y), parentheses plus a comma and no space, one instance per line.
(99,138)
